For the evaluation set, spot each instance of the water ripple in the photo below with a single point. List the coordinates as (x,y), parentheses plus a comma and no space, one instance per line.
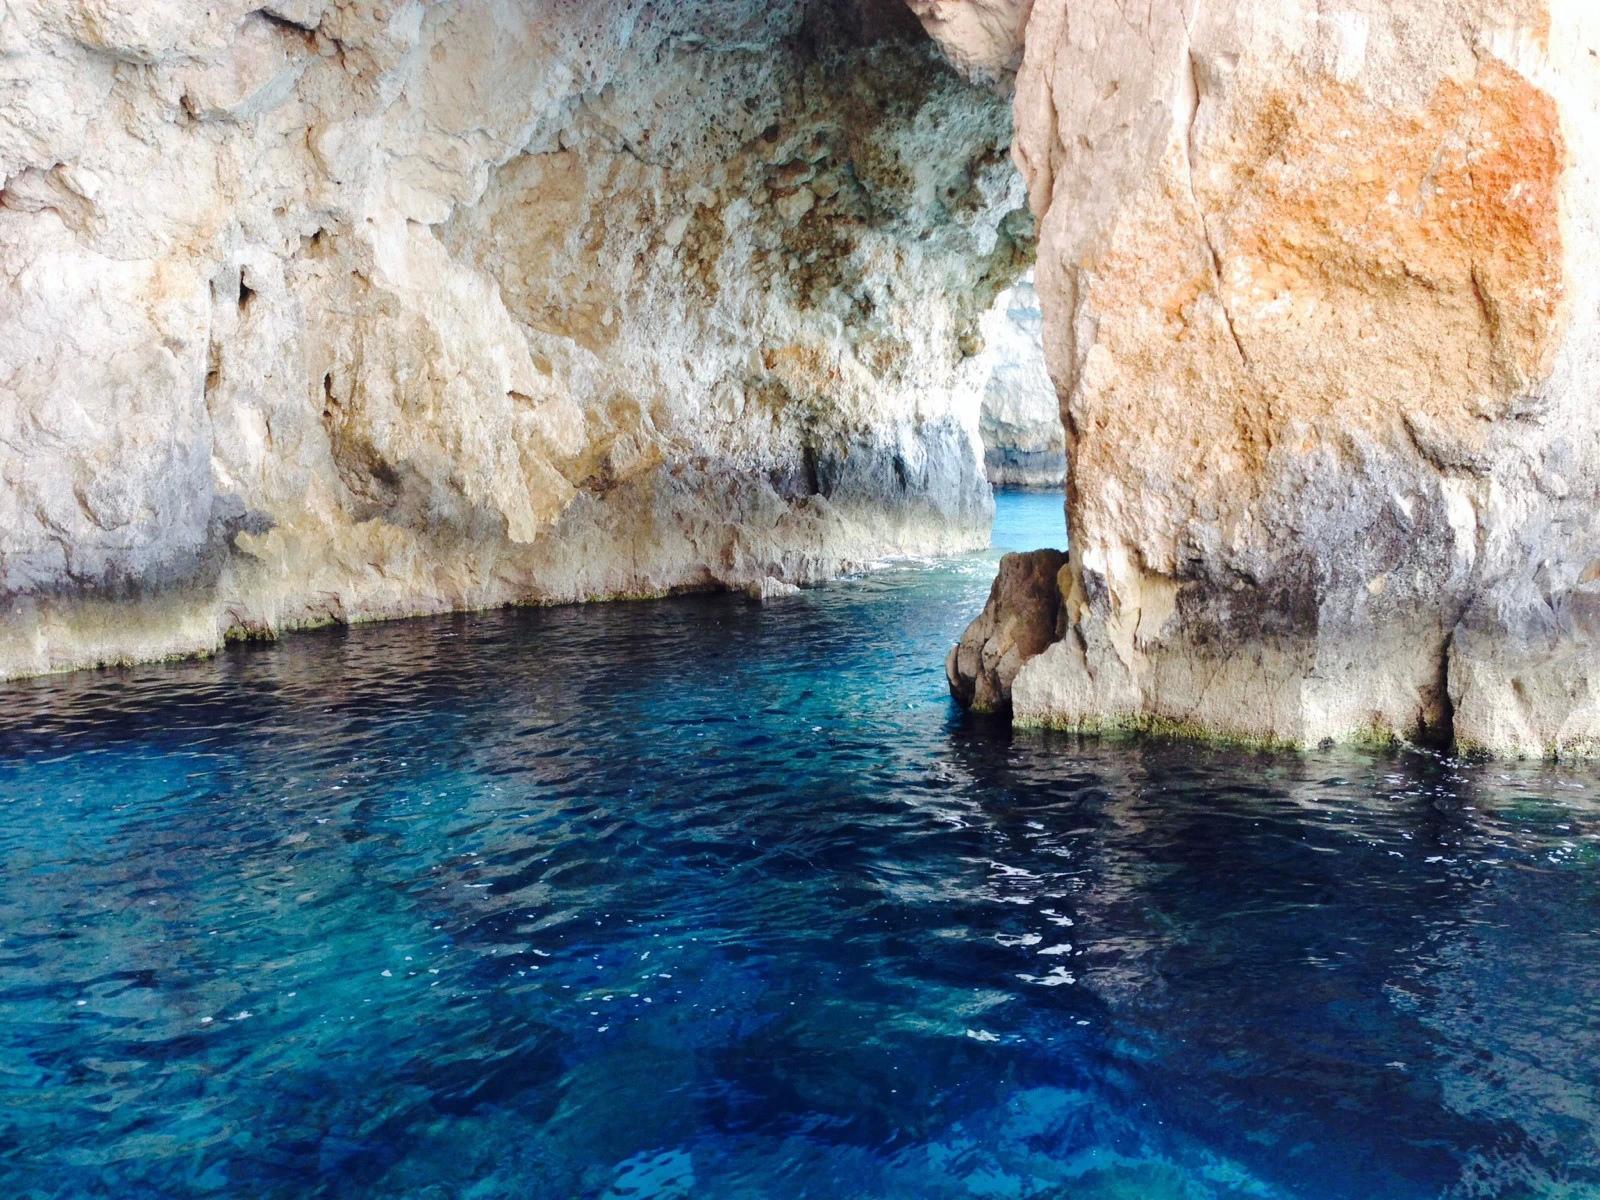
(696,898)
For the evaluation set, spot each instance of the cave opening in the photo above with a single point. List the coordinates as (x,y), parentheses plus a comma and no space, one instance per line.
(410,328)
(1019,413)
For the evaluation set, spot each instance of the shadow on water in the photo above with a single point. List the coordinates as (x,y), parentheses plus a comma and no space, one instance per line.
(696,898)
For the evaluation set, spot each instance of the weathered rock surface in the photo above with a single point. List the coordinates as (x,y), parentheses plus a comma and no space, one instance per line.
(1320,284)
(334,311)
(982,38)
(1018,622)
(1019,416)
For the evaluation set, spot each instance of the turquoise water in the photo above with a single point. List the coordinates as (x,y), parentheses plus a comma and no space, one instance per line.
(700,899)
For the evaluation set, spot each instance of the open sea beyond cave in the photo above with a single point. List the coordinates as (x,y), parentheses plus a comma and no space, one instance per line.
(701,899)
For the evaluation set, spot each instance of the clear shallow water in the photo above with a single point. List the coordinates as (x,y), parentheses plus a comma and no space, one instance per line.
(699,899)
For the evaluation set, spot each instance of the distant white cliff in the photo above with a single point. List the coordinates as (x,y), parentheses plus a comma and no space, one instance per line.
(1020,415)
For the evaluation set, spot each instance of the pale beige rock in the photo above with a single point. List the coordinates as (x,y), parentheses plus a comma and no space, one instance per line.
(338,311)
(766,589)
(1320,287)
(983,38)
(1019,415)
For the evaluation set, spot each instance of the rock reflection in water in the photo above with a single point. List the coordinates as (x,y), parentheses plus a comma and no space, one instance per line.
(703,898)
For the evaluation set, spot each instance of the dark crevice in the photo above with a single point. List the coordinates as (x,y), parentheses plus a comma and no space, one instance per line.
(283,22)
(808,467)
(1446,733)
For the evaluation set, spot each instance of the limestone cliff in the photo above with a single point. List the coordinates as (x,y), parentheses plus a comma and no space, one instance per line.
(1320,285)
(1019,412)
(322,310)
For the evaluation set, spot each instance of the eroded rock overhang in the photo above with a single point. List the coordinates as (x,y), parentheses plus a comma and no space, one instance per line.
(325,311)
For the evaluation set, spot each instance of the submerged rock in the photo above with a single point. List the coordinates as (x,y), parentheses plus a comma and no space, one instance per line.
(1018,622)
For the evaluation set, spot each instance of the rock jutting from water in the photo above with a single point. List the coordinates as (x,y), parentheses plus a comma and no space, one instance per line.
(334,311)
(1016,624)
(1320,287)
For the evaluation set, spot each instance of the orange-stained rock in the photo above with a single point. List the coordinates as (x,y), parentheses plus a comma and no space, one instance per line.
(1321,288)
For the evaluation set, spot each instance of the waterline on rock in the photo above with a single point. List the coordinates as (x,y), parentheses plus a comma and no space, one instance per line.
(702,898)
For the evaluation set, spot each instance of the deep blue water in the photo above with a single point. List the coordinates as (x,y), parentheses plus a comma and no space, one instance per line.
(695,898)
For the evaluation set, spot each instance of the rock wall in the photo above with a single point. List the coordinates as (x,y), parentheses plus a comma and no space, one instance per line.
(1019,414)
(324,310)
(1320,286)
